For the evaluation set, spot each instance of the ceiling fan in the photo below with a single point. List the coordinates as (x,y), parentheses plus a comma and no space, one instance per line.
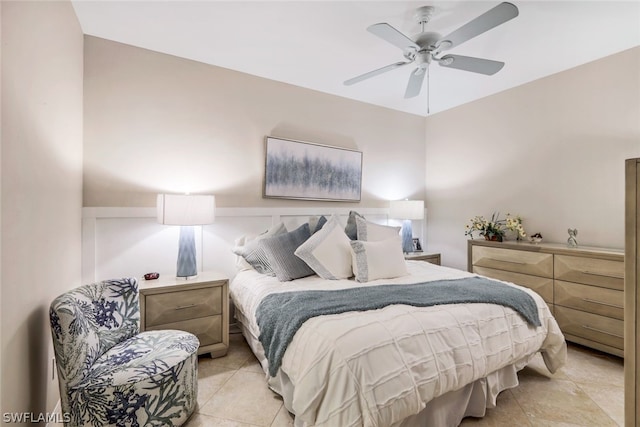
(428,46)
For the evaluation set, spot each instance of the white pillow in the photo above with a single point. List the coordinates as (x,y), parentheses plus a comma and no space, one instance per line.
(241,263)
(371,232)
(328,251)
(382,259)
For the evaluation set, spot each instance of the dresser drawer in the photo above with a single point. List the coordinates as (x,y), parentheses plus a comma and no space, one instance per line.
(592,327)
(526,262)
(207,329)
(170,307)
(590,271)
(603,301)
(541,285)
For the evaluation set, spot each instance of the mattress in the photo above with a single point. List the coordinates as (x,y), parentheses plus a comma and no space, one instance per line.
(400,365)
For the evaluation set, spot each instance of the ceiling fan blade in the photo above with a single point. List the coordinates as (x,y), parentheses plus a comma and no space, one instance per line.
(393,36)
(488,20)
(468,63)
(415,83)
(374,73)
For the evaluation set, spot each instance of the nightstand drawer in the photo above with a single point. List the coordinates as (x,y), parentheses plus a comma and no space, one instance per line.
(603,301)
(525,262)
(592,327)
(207,329)
(541,285)
(173,307)
(590,271)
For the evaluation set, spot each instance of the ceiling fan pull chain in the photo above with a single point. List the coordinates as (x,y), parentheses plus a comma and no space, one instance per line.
(428,91)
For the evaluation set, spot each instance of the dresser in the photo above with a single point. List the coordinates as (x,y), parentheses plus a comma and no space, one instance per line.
(632,293)
(198,305)
(584,286)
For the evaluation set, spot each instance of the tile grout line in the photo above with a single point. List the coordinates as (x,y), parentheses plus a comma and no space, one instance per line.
(217,390)
(236,371)
(596,403)
(513,396)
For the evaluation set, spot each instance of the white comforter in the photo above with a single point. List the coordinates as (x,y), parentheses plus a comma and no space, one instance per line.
(378,367)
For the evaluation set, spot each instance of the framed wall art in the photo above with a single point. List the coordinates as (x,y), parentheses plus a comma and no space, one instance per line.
(308,171)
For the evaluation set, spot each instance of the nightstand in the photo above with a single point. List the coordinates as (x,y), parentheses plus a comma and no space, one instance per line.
(198,305)
(423,256)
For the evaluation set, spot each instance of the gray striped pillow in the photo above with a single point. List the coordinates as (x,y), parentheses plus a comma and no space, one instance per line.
(280,253)
(254,254)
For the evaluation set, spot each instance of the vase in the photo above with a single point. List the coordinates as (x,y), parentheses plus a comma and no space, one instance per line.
(511,235)
(493,238)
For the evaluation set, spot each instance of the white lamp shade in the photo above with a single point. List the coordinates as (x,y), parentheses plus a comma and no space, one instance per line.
(186,209)
(406,209)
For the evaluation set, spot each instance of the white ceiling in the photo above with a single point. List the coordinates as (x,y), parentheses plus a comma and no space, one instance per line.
(319,44)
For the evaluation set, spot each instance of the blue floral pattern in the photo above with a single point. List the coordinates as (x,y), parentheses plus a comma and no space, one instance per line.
(110,373)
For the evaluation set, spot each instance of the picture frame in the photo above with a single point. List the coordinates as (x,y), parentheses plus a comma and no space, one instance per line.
(417,247)
(309,171)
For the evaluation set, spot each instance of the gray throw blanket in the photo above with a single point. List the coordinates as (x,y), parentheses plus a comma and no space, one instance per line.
(280,315)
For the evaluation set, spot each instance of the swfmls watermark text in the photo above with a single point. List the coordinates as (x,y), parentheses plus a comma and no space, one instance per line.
(31,417)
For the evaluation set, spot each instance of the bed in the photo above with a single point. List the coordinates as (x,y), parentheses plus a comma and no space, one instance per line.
(397,365)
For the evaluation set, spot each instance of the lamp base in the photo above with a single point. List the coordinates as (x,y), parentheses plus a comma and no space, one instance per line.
(407,236)
(187,252)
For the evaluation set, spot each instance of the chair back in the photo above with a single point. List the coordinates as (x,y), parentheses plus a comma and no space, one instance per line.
(86,322)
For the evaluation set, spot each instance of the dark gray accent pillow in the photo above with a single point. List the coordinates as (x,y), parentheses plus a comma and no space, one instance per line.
(314,228)
(351,229)
(280,253)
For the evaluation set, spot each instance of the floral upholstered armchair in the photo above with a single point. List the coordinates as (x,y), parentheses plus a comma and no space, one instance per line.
(111,374)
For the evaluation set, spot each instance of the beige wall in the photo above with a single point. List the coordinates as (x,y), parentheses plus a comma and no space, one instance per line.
(157,123)
(552,151)
(41,190)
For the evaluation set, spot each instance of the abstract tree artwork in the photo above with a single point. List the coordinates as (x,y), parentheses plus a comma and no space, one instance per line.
(308,171)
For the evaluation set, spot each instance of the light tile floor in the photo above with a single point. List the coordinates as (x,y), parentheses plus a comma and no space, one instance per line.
(588,391)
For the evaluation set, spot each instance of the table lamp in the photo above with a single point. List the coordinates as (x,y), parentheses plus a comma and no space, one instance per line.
(406,210)
(186,210)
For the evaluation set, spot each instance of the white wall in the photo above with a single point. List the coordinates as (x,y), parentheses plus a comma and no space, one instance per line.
(41,198)
(552,151)
(123,242)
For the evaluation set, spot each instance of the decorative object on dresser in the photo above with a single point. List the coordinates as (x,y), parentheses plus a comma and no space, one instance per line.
(584,287)
(111,374)
(308,171)
(631,291)
(198,305)
(572,242)
(186,210)
(535,238)
(406,210)
(433,258)
(495,228)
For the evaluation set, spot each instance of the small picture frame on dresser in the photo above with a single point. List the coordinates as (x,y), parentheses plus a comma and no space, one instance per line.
(417,247)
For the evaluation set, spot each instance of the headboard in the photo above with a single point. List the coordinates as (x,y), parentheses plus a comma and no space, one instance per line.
(119,242)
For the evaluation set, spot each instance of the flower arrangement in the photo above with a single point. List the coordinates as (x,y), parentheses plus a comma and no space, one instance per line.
(495,228)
